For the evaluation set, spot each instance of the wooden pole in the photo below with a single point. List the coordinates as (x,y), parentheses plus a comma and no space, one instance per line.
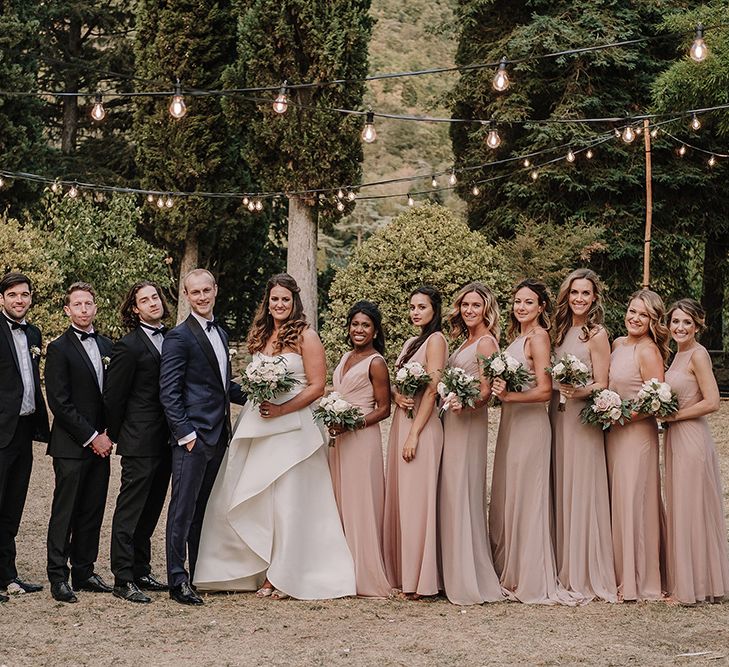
(648,206)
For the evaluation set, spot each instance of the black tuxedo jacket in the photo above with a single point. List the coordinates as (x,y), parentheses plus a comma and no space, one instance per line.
(74,395)
(134,416)
(194,396)
(11,385)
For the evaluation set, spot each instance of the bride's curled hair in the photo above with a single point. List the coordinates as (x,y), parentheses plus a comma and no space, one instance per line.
(262,328)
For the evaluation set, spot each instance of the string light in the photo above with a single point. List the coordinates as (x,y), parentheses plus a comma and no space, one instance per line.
(698,50)
(245,201)
(369,134)
(98,113)
(695,123)
(169,203)
(281,103)
(617,133)
(251,205)
(712,161)
(351,195)
(534,174)
(73,192)
(434,182)
(682,150)
(527,162)
(177,106)
(2,182)
(259,205)
(150,198)
(475,191)
(160,202)
(570,156)
(340,206)
(411,201)
(340,194)
(501,78)
(493,140)
(628,135)
(56,187)
(589,154)
(452,179)
(654,132)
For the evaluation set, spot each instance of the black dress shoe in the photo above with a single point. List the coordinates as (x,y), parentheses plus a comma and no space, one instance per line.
(3,598)
(130,593)
(185,595)
(62,592)
(149,583)
(94,584)
(24,586)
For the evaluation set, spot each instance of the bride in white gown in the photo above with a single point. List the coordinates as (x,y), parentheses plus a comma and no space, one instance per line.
(272,523)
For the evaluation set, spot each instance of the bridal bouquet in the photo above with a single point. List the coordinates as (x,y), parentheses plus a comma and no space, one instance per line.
(656,398)
(605,408)
(569,370)
(264,379)
(333,410)
(504,366)
(410,379)
(457,386)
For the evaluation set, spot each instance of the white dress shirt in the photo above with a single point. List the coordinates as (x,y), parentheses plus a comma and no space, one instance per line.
(20,340)
(154,337)
(92,351)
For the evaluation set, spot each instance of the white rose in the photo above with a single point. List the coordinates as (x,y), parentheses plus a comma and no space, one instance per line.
(401,374)
(582,368)
(512,364)
(615,414)
(416,370)
(441,388)
(655,405)
(340,405)
(558,369)
(664,393)
(497,366)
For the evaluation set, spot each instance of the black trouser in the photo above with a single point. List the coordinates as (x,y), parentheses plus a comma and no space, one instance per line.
(193,475)
(144,482)
(16,462)
(79,500)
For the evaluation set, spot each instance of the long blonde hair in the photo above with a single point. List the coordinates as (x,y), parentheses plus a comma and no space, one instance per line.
(657,329)
(289,334)
(490,311)
(562,317)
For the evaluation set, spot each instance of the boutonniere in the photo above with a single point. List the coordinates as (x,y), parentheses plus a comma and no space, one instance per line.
(106,361)
(231,353)
(35,352)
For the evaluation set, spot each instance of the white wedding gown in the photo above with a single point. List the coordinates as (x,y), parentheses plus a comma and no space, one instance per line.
(272,511)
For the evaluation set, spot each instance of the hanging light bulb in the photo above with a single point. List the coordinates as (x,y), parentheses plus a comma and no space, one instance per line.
(527,162)
(570,156)
(251,205)
(259,205)
(493,140)
(501,78)
(682,150)
(638,130)
(698,51)
(150,198)
(160,202)
(177,106)
(369,134)
(589,154)
(340,206)
(628,134)
(654,132)
(411,201)
(2,182)
(475,190)
(245,201)
(351,195)
(712,160)
(617,133)
(56,187)
(452,180)
(434,182)
(340,194)
(169,202)
(534,174)
(98,113)
(73,192)
(281,103)
(695,123)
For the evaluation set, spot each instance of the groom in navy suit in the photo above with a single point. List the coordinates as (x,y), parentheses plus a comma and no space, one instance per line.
(195,392)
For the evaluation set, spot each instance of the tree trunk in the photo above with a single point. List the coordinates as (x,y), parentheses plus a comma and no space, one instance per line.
(71,83)
(715,265)
(301,254)
(189,262)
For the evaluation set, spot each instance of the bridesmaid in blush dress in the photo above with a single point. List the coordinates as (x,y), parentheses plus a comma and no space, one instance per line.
(632,453)
(697,563)
(413,460)
(468,570)
(582,540)
(519,516)
(355,461)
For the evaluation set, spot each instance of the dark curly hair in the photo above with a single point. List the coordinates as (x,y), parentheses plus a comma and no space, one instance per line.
(373,312)
(130,319)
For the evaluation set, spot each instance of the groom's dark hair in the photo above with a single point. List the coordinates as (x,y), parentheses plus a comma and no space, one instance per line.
(129,318)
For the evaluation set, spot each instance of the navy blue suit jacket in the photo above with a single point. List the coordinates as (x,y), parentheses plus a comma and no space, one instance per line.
(193,395)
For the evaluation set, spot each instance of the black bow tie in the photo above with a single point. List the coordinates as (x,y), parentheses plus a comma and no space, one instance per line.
(154,330)
(210,324)
(17,325)
(85,334)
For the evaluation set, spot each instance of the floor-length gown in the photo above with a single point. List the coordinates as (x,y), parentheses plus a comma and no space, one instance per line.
(272,511)
(696,546)
(467,567)
(519,513)
(635,494)
(410,539)
(582,541)
(358,477)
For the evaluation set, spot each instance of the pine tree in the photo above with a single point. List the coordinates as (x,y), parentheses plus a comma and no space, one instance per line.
(308,147)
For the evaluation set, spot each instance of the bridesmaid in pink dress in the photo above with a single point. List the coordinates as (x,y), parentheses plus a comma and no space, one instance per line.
(468,570)
(632,453)
(355,461)
(413,460)
(697,563)
(519,516)
(582,540)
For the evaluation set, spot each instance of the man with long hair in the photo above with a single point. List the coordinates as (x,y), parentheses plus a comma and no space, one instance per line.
(137,424)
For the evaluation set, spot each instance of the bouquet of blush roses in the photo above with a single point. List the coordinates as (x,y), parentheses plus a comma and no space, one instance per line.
(605,408)
(457,386)
(264,379)
(333,410)
(656,398)
(569,370)
(410,378)
(504,366)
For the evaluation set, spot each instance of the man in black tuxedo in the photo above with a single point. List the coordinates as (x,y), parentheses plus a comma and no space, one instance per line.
(136,423)
(23,418)
(195,390)
(79,445)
